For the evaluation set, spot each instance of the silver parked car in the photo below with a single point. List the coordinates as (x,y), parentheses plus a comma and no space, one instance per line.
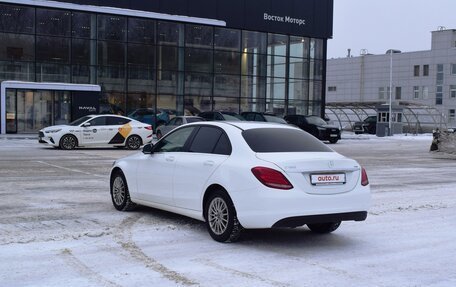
(175,122)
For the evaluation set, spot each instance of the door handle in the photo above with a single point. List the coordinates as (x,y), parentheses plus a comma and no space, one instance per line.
(170,158)
(209,163)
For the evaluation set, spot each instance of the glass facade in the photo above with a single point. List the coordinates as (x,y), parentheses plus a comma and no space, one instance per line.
(167,66)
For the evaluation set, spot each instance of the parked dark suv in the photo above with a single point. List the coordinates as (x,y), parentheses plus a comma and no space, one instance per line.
(369,125)
(315,126)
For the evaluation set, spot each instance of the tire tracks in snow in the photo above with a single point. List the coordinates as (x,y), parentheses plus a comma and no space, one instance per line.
(84,270)
(241,274)
(124,238)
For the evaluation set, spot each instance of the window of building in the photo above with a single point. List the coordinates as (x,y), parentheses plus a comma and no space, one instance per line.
(416,70)
(425,70)
(451,115)
(452,91)
(18,19)
(398,93)
(83,25)
(227,39)
(453,69)
(197,36)
(112,27)
(416,92)
(425,92)
(141,30)
(53,22)
(332,89)
(381,93)
(439,95)
(439,74)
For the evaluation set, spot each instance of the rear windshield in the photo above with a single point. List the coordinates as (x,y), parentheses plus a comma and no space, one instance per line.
(194,120)
(282,140)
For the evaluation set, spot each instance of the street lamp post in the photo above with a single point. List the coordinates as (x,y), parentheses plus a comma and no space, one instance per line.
(390,133)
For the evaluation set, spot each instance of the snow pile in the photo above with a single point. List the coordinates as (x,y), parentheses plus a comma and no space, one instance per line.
(447,143)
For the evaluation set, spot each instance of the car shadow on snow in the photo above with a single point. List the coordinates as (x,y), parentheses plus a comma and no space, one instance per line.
(292,238)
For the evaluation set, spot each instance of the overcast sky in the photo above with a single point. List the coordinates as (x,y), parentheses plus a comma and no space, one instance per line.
(378,25)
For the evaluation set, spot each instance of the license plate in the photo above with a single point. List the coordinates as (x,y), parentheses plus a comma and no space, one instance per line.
(333,178)
(333,135)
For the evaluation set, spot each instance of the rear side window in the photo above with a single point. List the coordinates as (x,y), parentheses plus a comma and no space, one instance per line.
(265,140)
(210,140)
(116,121)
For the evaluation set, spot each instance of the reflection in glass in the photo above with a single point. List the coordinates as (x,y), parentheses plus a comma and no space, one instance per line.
(198,60)
(52,49)
(168,33)
(299,68)
(141,30)
(193,105)
(62,107)
(275,88)
(277,44)
(299,47)
(227,62)
(83,25)
(316,48)
(296,107)
(19,19)
(227,39)
(226,86)
(253,87)
(111,53)
(16,47)
(276,107)
(316,70)
(276,66)
(298,89)
(254,64)
(112,27)
(198,84)
(228,104)
(141,55)
(254,42)
(52,73)
(83,52)
(83,74)
(53,22)
(20,71)
(198,36)
(167,58)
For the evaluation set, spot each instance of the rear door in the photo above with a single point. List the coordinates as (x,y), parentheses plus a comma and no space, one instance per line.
(117,129)
(208,150)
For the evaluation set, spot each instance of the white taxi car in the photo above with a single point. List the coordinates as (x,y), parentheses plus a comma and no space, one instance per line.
(236,175)
(98,130)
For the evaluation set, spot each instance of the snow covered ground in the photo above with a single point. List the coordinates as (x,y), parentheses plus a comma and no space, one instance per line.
(58,227)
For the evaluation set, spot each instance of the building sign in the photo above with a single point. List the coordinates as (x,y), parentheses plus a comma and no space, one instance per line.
(284,19)
(84,103)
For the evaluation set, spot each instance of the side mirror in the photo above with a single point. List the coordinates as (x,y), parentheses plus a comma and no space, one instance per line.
(86,125)
(148,149)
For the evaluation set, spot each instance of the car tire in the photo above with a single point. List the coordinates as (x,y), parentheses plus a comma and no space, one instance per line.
(133,142)
(324,228)
(221,220)
(119,193)
(68,142)
(333,141)
(159,135)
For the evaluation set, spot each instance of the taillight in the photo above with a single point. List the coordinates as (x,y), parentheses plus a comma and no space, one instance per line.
(149,128)
(271,178)
(364,179)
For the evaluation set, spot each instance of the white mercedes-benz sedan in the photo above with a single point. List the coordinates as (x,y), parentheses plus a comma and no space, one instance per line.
(98,130)
(236,175)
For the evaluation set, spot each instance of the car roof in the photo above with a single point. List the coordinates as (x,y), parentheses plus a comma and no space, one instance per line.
(244,125)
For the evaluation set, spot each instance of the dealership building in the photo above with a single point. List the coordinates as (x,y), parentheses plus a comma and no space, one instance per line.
(60,60)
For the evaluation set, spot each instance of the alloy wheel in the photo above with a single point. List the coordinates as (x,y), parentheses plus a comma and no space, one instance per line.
(218,215)
(118,191)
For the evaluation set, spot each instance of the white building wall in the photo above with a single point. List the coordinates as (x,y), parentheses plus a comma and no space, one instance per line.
(358,79)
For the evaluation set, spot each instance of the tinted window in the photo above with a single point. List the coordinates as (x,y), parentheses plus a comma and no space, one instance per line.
(79,121)
(223,146)
(100,121)
(248,116)
(116,121)
(194,120)
(274,119)
(282,140)
(174,142)
(178,121)
(205,140)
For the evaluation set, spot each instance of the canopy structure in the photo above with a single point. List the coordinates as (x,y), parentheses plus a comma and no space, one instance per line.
(416,118)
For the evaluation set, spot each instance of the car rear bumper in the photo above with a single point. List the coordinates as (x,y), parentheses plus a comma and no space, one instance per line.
(268,207)
(321,218)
